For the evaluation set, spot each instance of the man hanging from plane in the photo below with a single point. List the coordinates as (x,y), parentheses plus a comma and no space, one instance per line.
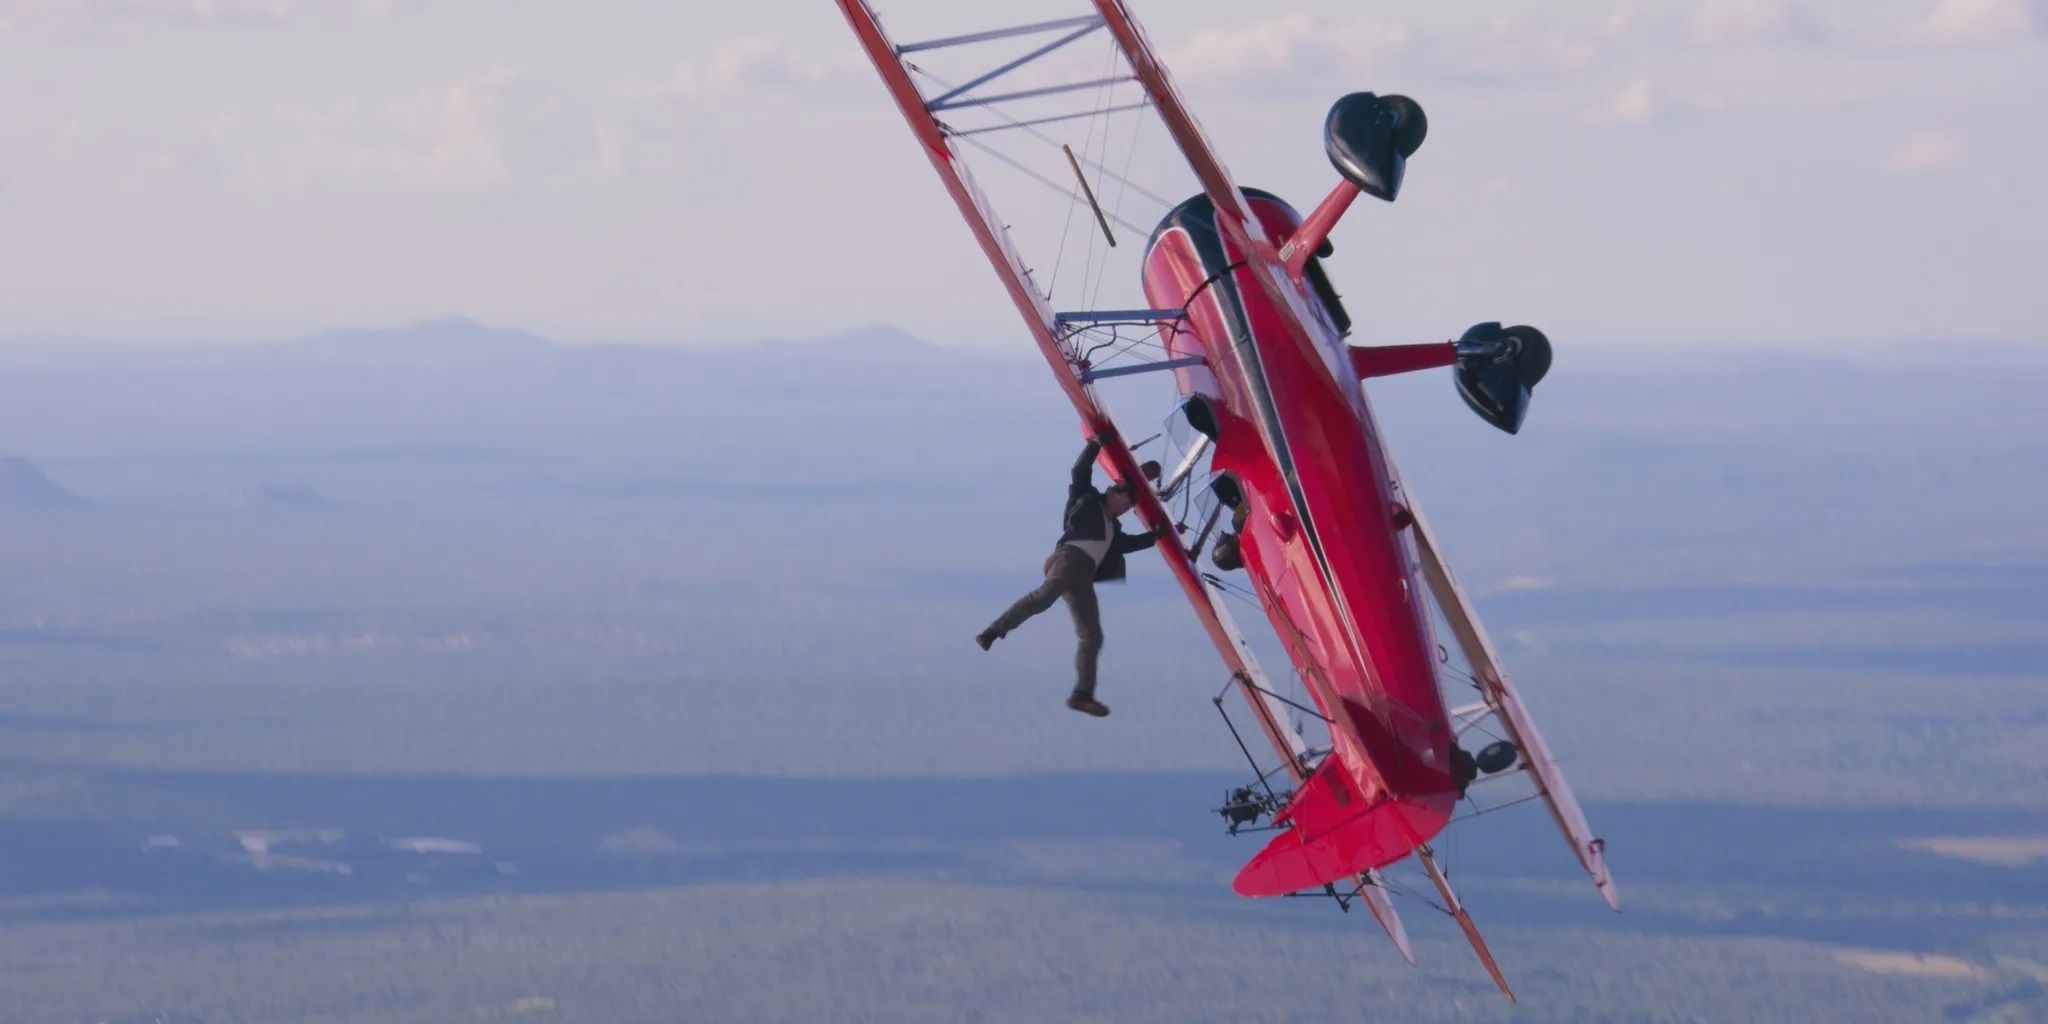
(1091,549)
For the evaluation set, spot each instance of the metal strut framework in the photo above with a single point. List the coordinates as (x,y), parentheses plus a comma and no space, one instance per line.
(1087,20)
(958,98)
(1074,324)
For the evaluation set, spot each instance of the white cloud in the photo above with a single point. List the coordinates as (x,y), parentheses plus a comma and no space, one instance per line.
(750,64)
(1518,47)
(1291,48)
(1637,102)
(1719,25)
(1730,23)
(1966,22)
(1303,52)
(496,129)
(196,13)
(1926,150)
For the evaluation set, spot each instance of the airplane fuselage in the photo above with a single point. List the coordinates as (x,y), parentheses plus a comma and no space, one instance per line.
(1324,536)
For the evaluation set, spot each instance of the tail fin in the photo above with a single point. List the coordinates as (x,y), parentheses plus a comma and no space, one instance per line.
(1336,834)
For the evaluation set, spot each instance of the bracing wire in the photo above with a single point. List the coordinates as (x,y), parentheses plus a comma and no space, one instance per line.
(1025,170)
(1028,129)
(1120,345)
(1073,201)
(1123,183)
(1102,99)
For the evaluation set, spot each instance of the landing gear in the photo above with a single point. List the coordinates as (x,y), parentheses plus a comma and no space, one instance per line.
(1497,757)
(1498,368)
(1492,759)
(1411,125)
(1227,554)
(1370,138)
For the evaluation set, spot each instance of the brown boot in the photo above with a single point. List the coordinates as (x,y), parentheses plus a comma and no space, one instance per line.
(1088,705)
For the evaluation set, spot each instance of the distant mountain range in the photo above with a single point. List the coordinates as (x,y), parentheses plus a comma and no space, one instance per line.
(24,486)
(459,340)
(460,336)
(449,338)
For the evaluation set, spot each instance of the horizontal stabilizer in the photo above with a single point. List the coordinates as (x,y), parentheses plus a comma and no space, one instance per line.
(1335,834)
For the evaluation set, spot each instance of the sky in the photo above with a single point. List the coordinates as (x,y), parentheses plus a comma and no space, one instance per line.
(1771,173)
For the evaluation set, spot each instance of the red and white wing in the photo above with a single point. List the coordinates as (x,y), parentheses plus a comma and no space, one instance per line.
(938,145)
(1499,699)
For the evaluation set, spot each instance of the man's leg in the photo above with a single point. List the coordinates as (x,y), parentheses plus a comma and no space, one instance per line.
(1087,636)
(1087,642)
(1056,582)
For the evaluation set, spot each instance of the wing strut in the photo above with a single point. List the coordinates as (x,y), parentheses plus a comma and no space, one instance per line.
(1001,33)
(1456,908)
(990,76)
(1501,698)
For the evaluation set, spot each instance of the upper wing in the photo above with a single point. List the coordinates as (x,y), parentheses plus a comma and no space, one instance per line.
(1501,699)
(974,207)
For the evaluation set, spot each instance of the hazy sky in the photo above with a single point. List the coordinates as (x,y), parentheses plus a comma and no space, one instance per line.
(1736,171)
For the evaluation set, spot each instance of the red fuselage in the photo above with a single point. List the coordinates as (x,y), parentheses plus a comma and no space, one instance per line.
(1324,538)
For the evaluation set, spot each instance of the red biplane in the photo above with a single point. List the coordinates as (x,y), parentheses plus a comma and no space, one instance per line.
(1301,495)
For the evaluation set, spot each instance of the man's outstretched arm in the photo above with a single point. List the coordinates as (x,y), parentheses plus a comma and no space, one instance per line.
(1126,543)
(1084,468)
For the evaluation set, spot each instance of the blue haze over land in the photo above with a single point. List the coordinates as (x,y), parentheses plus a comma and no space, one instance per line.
(324,652)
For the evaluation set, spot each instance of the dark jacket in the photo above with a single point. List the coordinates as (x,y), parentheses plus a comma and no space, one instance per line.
(1084,519)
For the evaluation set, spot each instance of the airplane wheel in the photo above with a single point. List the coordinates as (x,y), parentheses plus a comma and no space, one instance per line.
(1227,555)
(1411,126)
(1497,757)
(1535,359)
